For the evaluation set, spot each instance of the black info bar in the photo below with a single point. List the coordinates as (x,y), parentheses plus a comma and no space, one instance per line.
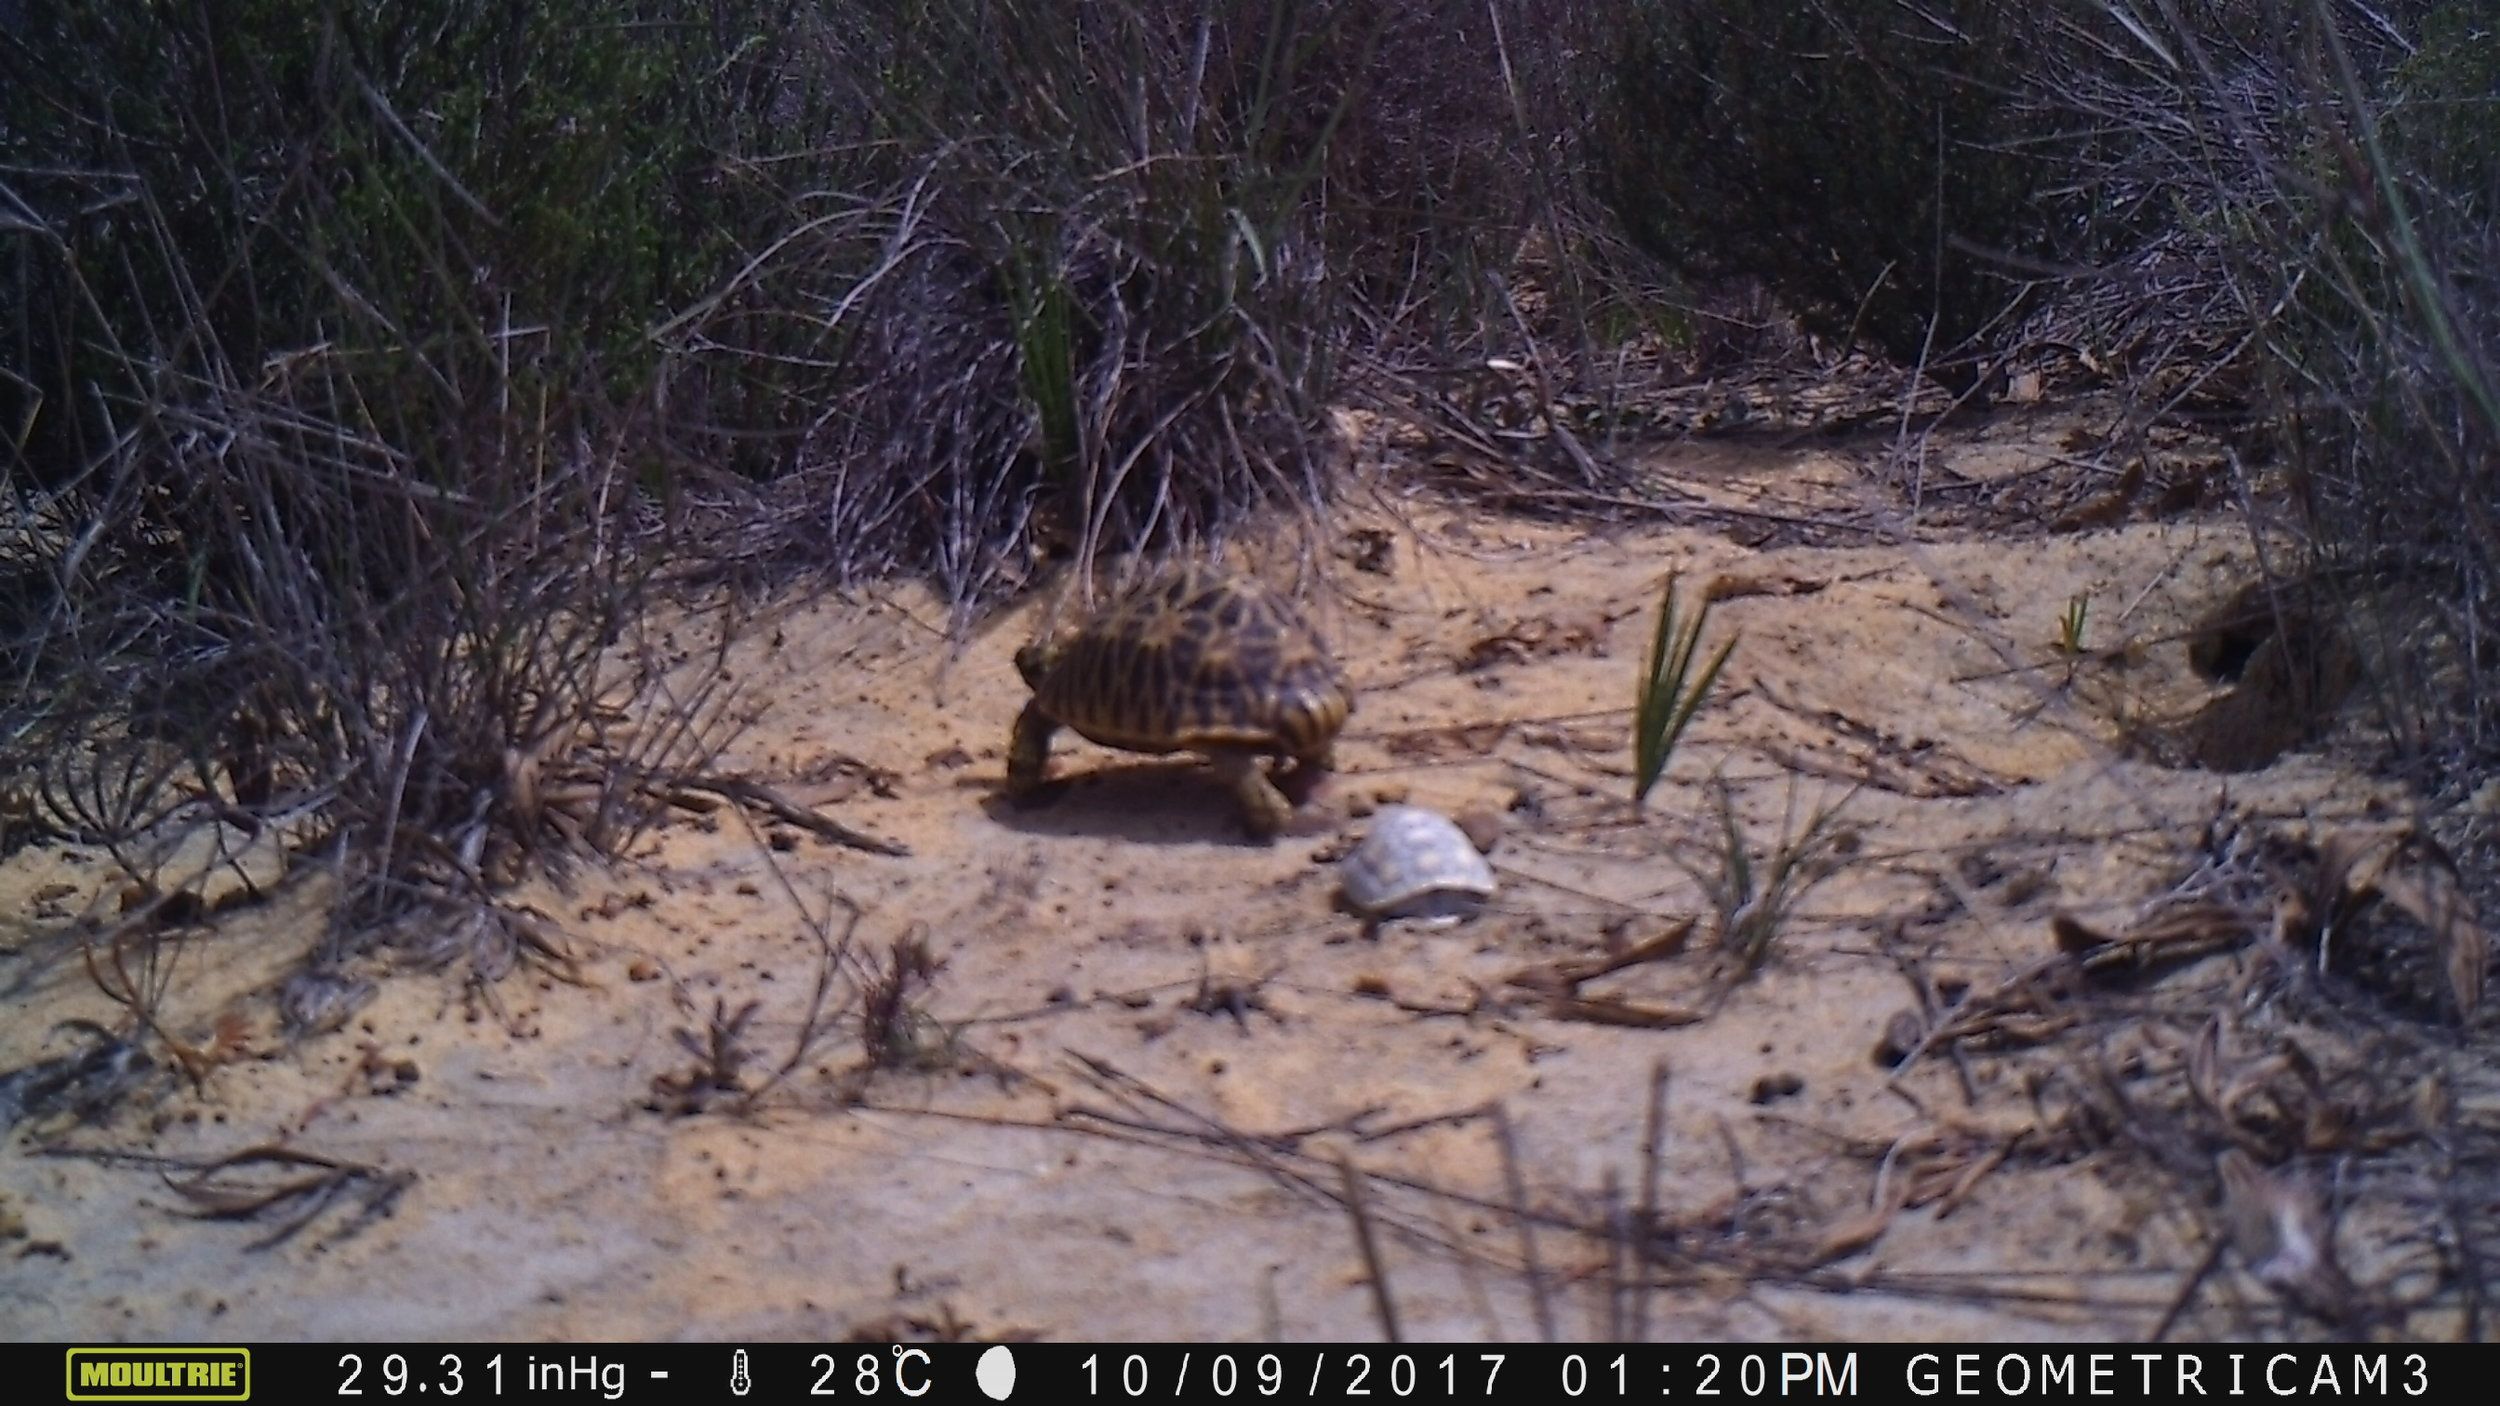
(944,1373)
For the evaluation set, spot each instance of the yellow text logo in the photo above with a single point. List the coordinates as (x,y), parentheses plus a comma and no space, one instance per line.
(160,1374)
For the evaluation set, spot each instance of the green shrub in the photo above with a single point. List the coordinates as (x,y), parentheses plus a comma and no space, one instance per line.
(1060,263)
(327,336)
(1864,158)
(2390,345)
(488,189)
(2323,232)
(2444,117)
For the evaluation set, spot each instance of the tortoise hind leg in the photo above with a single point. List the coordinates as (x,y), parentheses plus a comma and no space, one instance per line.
(1263,807)
(1028,751)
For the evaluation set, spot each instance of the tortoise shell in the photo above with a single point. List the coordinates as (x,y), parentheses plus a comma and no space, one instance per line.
(1193,658)
(1415,863)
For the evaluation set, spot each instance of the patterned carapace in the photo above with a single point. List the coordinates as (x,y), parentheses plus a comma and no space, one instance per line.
(1196,659)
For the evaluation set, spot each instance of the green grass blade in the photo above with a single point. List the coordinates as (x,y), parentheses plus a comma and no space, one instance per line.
(1670,693)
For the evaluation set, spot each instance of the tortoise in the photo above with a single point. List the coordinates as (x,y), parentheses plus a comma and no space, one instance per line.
(1195,659)
(1415,864)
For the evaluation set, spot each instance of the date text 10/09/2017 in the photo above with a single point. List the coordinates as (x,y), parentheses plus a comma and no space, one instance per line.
(1398,1374)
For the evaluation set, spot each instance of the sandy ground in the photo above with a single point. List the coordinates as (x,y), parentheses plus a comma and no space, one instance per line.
(1152,1042)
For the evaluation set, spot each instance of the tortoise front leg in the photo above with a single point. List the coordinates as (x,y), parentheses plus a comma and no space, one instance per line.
(1303,775)
(1028,750)
(1263,807)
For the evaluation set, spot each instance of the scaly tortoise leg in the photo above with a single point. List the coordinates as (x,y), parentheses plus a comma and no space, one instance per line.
(1028,751)
(1263,807)
(1303,776)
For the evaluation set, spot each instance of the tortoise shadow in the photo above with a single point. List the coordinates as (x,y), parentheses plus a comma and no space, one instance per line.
(1174,802)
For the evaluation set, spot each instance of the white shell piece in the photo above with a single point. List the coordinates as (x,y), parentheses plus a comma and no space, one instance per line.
(1415,864)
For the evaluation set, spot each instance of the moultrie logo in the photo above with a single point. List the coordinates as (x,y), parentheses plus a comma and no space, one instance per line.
(160,1374)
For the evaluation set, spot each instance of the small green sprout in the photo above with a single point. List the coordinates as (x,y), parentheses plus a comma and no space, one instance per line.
(1670,692)
(2070,624)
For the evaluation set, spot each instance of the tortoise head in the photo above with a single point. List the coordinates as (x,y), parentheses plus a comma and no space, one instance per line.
(1035,661)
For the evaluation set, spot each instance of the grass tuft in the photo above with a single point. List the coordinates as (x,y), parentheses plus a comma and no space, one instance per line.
(1671,690)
